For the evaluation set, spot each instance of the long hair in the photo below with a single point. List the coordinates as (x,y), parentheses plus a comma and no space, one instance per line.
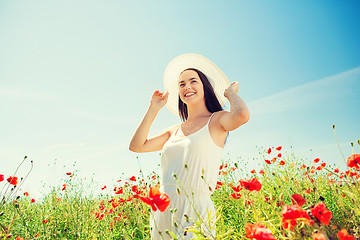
(211,101)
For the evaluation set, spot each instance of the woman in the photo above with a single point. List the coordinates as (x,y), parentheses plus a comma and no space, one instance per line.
(196,90)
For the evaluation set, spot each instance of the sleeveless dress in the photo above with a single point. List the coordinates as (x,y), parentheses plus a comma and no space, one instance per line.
(189,172)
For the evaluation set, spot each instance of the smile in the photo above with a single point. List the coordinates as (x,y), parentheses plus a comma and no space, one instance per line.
(189,94)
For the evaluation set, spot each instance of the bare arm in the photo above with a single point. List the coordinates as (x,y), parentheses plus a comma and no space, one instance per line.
(239,113)
(140,141)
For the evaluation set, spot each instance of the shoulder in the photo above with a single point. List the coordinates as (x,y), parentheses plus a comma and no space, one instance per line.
(170,130)
(216,117)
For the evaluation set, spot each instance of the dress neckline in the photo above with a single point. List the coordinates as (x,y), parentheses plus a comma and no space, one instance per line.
(176,134)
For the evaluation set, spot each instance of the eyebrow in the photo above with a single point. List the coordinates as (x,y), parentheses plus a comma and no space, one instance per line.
(188,79)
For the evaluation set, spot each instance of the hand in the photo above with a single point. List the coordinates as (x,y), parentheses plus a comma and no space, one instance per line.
(233,88)
(158,99)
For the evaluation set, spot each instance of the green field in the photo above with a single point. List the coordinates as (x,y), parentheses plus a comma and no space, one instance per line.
(67,212)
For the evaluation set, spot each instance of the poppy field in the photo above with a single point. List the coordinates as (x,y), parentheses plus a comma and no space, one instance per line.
(289,198)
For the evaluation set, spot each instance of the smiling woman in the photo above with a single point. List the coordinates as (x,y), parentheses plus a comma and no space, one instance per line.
(198,81)
(196,90)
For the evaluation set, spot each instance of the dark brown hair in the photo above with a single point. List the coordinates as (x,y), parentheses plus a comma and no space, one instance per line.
(211,101)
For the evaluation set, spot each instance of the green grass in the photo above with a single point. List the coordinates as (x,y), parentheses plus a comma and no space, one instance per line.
(73,214)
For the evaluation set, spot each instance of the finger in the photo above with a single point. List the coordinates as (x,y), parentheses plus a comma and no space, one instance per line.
(165,96)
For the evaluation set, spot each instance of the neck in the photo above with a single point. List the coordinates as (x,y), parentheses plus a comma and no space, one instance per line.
(198,110)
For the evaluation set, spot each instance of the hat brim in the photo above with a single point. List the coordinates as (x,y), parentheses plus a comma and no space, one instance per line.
(216,77)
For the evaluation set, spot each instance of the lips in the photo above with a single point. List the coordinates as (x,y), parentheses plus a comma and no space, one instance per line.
(189,94)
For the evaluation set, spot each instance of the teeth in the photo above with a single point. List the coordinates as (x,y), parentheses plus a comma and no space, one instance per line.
(189,94)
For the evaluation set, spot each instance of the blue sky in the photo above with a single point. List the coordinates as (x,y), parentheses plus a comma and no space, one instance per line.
(76,78)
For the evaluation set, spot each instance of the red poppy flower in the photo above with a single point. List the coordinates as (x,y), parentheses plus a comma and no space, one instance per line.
(279,148)
(136,190)
(321,213)
(319,168)
(45,221)
(36,235)
(251,184)
(282,162)
(156,199)
(26,194)
(253,171)
(354,161)
(12,180)
(273,160)
(133,178)
(115,204)
(269,151)
(303,166)
(236,195)
(267,161)
(99,216)
(103,187)
(262,172)
(221,167)
(344,235)
(298,199)
(336,170)
(2,177)
(32,200)
(64,187)
(308,191)
(68,173)
(218,185)
(279,155)
(249,201)
(119,190)
(292,213)
(258,231)
(237,188)
(323,164)
(319,236)
(316,160)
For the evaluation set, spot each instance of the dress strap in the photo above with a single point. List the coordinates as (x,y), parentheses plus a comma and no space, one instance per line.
(177,130)
(210,118)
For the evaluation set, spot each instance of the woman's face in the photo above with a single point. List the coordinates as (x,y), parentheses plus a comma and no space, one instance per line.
(191,89)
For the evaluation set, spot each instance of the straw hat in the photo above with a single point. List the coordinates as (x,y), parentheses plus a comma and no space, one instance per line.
(216,77)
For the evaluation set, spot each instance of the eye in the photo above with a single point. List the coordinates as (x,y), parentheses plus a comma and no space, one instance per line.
(182,85)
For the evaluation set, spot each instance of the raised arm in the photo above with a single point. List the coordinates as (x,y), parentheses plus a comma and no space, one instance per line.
(140,141)
(239,113)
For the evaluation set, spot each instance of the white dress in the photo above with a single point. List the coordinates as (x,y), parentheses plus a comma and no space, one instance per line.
(189,172)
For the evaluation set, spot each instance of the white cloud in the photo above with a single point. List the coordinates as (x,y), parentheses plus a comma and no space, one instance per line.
(12,92)
(63,104)
(64,146)
(337,86)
